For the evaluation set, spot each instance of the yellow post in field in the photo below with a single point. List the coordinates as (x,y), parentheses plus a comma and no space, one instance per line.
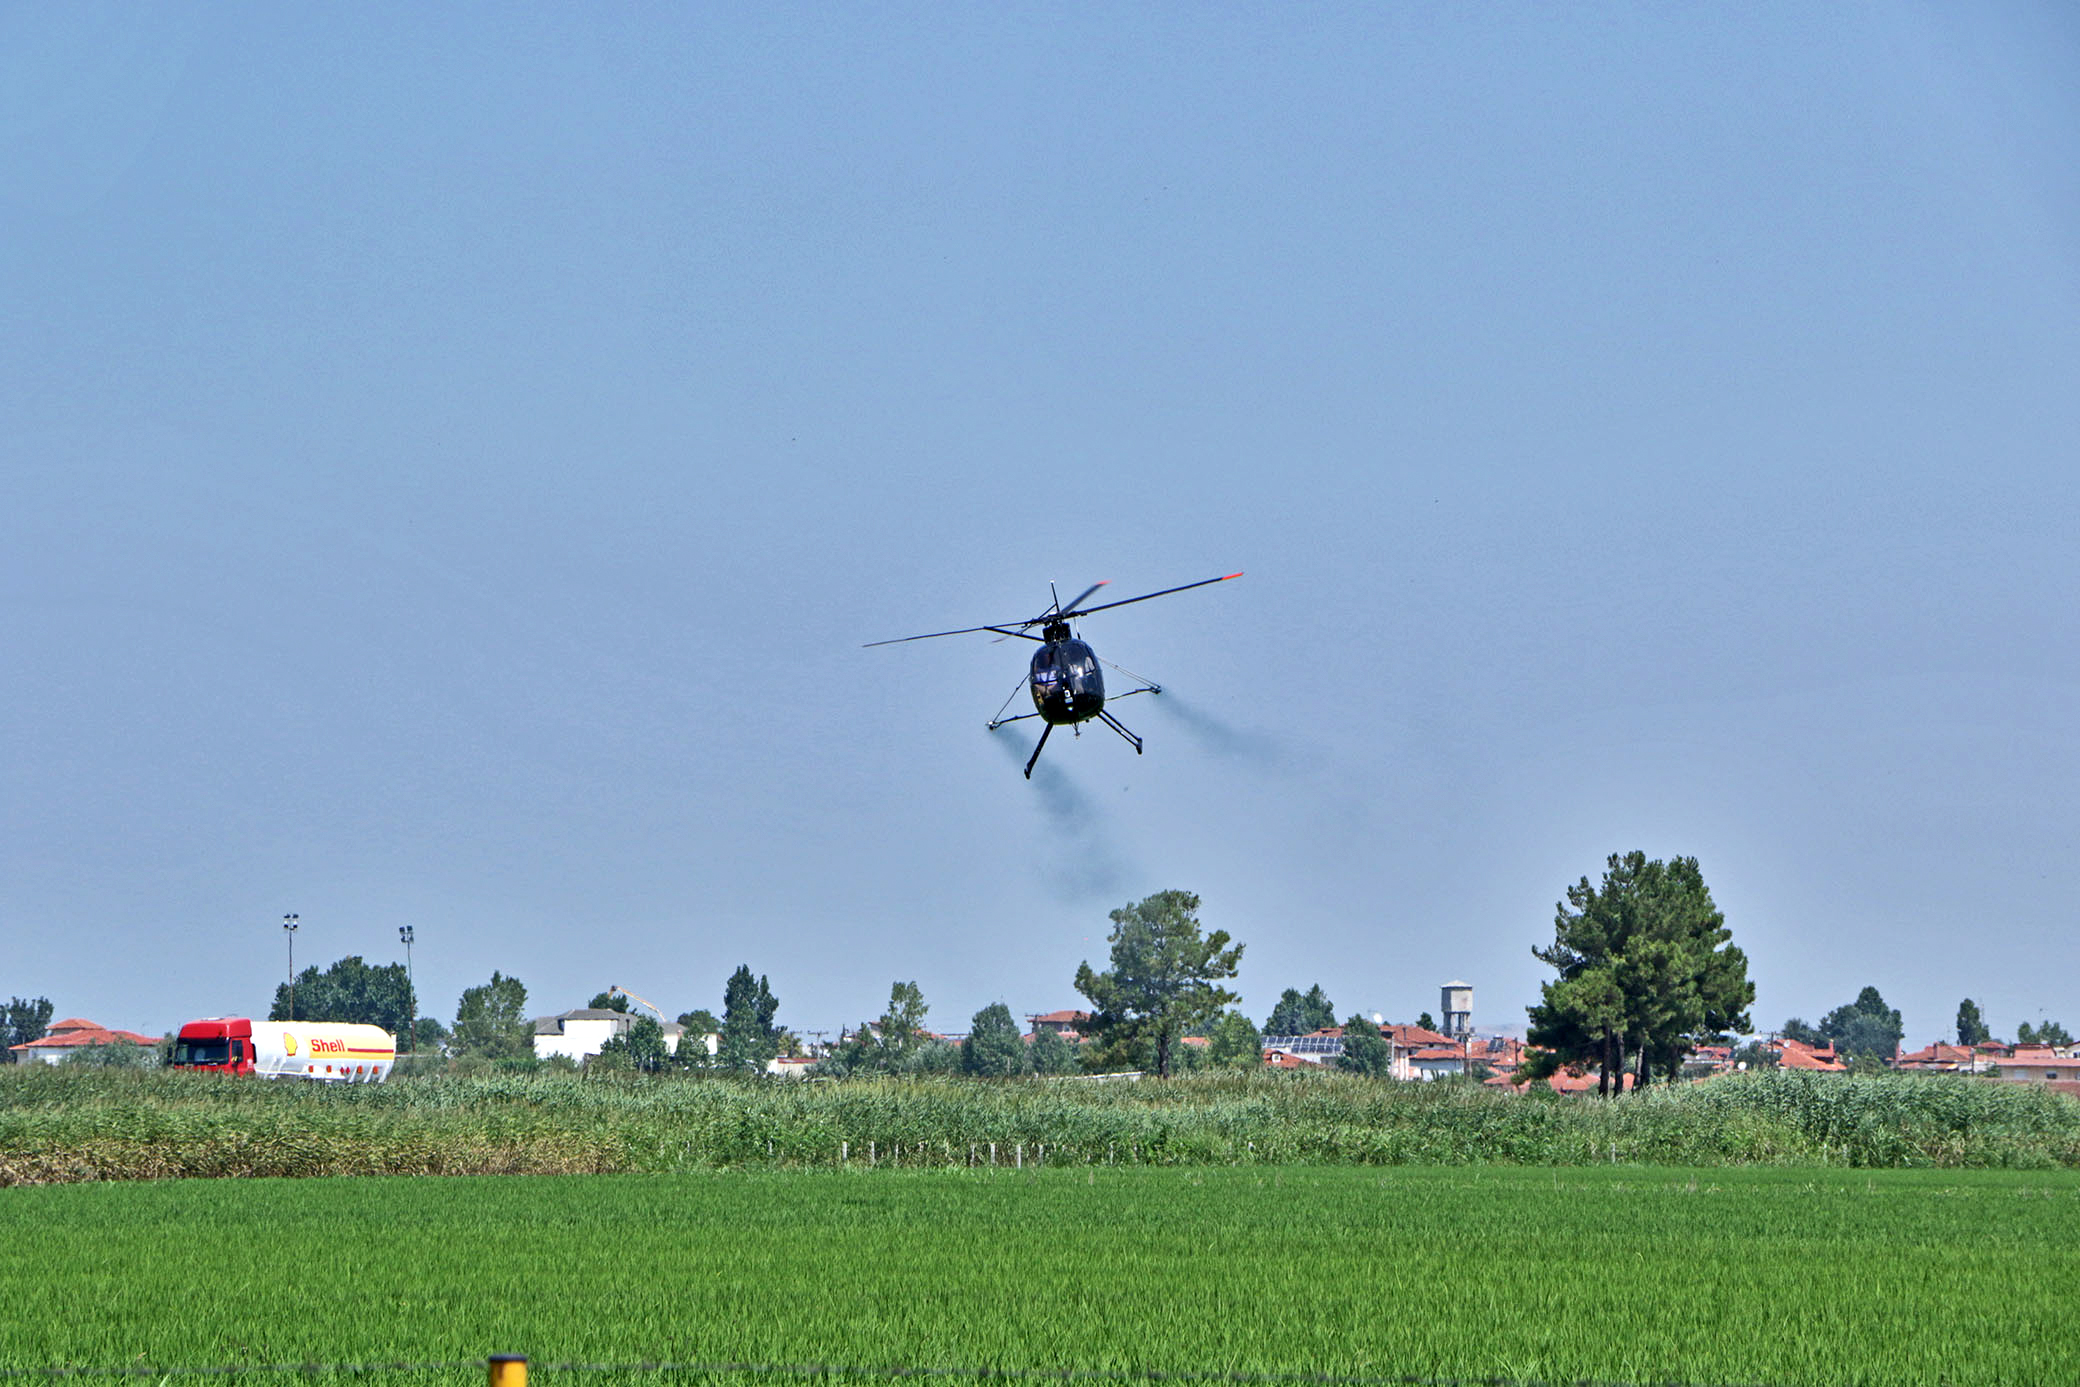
(508,1370)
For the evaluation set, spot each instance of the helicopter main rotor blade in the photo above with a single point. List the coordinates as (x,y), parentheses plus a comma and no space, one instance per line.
(1085,593)
(1108,606)
(1005,630)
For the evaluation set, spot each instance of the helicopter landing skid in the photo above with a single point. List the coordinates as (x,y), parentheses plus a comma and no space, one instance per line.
(1045,728)
(1114,723)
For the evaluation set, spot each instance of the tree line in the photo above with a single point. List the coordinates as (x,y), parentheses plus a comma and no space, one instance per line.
(1646,972)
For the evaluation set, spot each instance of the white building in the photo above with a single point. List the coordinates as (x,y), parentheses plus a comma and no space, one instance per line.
(585,1031)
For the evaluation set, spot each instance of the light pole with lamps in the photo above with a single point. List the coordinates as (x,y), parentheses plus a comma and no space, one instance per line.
(411,998)
(289,923)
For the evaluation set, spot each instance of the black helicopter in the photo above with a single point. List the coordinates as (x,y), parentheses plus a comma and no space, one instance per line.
(1064,679)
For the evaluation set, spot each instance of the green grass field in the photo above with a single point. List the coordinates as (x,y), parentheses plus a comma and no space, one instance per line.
(1625,1274)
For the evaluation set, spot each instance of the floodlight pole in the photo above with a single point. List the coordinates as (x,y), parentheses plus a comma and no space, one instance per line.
(289,924)
(411,998)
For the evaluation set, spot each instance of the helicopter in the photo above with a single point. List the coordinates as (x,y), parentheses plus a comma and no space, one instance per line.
(1067,686)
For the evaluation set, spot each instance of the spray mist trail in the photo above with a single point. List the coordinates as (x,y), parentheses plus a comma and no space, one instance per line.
(1084,864)
(1258,750)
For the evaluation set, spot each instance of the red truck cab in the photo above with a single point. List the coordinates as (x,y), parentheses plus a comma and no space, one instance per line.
(220,1043)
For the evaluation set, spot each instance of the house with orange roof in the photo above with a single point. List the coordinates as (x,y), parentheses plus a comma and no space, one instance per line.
(2040,1065)
(72,1035)
(1796,1054)
(1414,1037)
(1944,1059)
(1322,1047)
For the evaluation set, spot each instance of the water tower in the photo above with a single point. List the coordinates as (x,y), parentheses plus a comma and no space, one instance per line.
(1456,1003)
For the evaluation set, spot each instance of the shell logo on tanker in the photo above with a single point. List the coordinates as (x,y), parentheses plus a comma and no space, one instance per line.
(317,1045)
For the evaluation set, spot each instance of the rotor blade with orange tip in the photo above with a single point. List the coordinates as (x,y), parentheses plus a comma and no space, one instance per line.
(1108,606)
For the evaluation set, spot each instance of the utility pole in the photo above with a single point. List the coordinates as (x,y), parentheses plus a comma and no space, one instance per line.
(411,997)
(289,923)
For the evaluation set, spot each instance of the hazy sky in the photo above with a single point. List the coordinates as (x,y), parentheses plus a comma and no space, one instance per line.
(450,459)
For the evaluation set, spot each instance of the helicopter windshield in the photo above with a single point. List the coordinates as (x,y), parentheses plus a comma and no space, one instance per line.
(1068,668)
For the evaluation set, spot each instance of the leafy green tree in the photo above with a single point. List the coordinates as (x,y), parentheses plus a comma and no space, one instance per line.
(1426,1022)
(1971,1027)
(749,1037)
(25,1020)
(1365,1050)
(1300,1013)
(1234,1043)
(1163,979)
(936,1057)
(429,1036)
(994,1049)
(1796,1029)
(350,990)
(902,1025)
(1755,1055)
(491,1021)
(695,1027)
(888,1045)
(1051,1054)
(609,1000)
(117,1054)
(1864,1028)
(646,1045)
(1647,973)
(2047,1033)
(642,1047)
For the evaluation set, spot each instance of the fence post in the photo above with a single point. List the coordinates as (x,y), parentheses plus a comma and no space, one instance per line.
(508,1370)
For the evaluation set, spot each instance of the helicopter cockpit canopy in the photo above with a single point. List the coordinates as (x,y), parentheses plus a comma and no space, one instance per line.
(1067,684)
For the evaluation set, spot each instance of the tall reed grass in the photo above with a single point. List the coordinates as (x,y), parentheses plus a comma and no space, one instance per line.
(61,1125)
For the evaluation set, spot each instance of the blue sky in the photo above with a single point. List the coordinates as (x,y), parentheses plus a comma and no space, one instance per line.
(454,459)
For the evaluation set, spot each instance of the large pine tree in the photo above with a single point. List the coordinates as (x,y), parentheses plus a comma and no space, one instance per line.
(1647,973)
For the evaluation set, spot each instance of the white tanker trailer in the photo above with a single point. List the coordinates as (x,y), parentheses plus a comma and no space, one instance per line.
(325,1051)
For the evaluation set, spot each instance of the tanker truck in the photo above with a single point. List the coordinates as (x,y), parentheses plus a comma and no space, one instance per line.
(326,1051)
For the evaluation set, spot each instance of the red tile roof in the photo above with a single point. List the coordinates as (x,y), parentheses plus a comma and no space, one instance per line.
(1062,1018)
(1792,1054)
(74,1033)
(1567,1082)
(1937,1054)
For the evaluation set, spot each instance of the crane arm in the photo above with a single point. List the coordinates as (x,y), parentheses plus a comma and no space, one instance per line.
(616,987)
